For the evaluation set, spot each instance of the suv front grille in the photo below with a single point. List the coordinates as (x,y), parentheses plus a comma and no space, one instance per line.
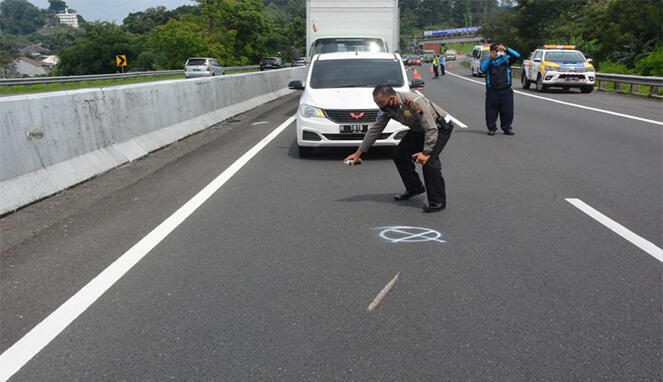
(343,116)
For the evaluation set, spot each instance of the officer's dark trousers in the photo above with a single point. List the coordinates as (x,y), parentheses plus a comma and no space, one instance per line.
(435,70)
(413,143)
(499,101)
(442,69)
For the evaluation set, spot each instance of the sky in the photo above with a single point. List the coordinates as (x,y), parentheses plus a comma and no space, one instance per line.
(109,10)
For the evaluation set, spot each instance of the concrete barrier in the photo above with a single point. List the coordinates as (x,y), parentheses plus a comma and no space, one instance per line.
(51,141)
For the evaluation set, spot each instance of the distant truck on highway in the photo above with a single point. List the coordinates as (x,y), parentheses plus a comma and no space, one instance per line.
(351,25)
(558,66)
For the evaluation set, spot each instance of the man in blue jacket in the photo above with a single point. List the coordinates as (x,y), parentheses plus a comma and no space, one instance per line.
(499,95)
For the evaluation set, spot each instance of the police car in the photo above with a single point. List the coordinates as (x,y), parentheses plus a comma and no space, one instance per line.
(558,66)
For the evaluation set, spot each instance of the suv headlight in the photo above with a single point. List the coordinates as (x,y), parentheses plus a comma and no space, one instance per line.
(548,68)
(308,111)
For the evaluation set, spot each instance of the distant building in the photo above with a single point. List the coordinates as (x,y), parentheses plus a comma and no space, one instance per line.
(68,18)
(28,67)
(34,51)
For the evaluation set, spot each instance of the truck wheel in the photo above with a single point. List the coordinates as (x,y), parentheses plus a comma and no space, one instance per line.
(524,81)
(586,89)
(305,152)
(540,87)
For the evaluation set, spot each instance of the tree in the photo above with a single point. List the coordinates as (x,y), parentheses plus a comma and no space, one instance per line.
(94,51)
(20,17)
(177,40)
(57,6)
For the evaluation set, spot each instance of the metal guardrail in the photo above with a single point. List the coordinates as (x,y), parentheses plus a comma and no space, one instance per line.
(654,83)
(96,77)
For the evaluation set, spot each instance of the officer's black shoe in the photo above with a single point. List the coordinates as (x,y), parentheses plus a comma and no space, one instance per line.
(491,132)
(509,132)
(408,194)
(435,207)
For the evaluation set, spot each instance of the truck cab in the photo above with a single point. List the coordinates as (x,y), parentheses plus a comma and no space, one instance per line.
(558,66)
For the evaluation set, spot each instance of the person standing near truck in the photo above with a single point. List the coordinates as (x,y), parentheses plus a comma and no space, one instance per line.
(435,63)
(443,61)
(499,95)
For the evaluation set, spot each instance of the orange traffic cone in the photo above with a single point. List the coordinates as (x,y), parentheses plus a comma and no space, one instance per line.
(448,66)
(416,74)
(431,69)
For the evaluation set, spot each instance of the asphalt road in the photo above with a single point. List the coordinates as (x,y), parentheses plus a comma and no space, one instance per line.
(270,278)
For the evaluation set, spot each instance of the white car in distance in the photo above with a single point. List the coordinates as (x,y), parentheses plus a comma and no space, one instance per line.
(336,107)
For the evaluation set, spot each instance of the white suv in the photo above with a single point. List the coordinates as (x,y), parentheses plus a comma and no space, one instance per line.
(337,108)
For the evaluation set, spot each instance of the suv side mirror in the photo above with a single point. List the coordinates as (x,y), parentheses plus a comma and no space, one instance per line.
(417,83)
(296,85)
(590,60)
(536,60)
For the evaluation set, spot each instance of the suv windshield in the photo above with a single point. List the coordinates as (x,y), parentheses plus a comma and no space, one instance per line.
(356,73)
(196,62)
(564,57)
(331,45)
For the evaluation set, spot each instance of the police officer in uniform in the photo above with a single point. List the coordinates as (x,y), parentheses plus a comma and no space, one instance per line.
(499,95)
(430,129)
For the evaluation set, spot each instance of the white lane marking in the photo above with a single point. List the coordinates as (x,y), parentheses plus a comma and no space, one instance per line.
(36,339)
(619,229)
(383,293)
(570,104)
(259,123)
(454,119)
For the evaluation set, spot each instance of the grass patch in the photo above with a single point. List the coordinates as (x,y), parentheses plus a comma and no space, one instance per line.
(54,87)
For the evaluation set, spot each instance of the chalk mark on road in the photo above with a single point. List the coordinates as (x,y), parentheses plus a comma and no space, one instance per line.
(405,234)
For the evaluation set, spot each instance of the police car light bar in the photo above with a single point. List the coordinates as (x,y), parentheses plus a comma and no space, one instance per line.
(559,47)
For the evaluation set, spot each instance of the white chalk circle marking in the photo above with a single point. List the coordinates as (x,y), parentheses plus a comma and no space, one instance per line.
(405,234)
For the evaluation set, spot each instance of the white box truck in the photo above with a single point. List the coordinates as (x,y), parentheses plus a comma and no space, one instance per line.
(333,26)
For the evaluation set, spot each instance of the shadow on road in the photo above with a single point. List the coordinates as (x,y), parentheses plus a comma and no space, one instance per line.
(339,153)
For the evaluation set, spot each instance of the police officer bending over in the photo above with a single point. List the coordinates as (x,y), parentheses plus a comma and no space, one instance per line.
(499,95)
(430,129)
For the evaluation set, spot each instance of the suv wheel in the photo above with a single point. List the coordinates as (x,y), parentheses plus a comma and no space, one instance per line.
(540,86)
(524,81)
(586,89)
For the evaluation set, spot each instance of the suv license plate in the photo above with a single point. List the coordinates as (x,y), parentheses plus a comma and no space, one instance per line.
(353,129)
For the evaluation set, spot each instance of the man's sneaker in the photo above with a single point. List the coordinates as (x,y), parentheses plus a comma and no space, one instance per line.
(491,132)
(509,132)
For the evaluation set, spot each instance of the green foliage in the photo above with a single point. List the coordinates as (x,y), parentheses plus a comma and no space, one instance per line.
(610,66)
(143,22)
(20,17)
(178,40)
(610,31)
(57,5)
(94,51)
(651,64)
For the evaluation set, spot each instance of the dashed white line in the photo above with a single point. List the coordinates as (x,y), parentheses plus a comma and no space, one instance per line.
(619,229)
(14,358)
(383,293)
(571,104)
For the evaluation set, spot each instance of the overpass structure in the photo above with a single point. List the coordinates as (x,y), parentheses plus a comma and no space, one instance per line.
(446,36)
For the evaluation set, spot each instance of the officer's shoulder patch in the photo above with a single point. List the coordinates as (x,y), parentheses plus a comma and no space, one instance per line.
(380,113)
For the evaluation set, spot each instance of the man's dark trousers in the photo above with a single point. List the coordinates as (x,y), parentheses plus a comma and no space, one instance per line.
(435,70)
(413,143)
(499,101)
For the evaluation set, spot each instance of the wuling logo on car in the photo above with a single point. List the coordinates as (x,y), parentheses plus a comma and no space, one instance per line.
(357,116)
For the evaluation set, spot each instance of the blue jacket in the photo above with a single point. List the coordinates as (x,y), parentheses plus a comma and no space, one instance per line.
(498,69)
